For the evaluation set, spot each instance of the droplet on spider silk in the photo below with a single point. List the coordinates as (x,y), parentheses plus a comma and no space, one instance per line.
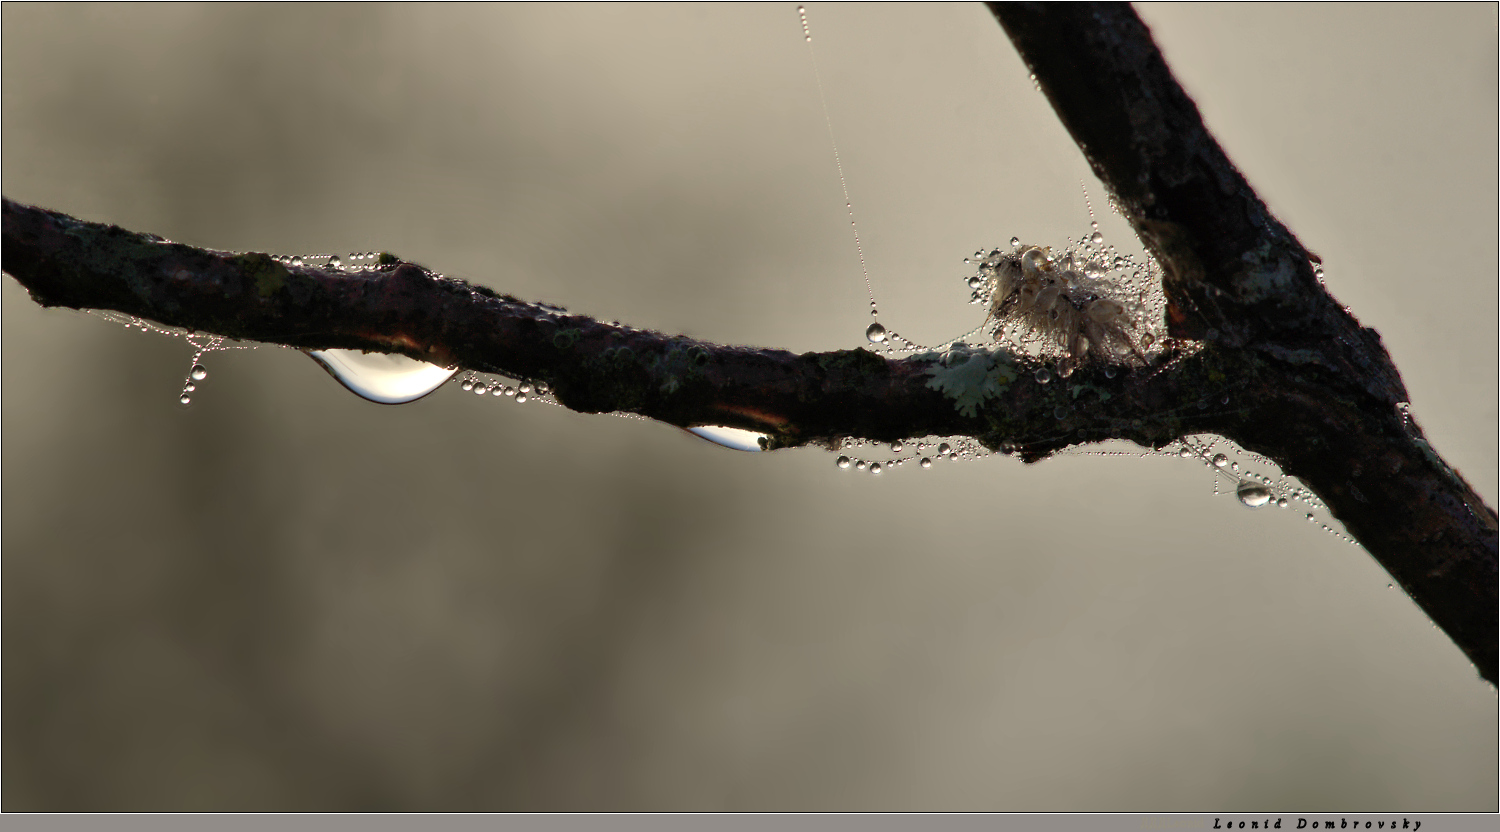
(737,439)
(1220,460)
(1096,238)
(381,377)
(876,333)
(199,372)
(843,462)
(1253,494)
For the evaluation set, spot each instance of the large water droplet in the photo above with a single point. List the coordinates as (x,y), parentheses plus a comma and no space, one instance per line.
(1220,460)
(1096,238)
(385,378)
(875,468)
(737,439)
(843,462)
(199,372)
(876,333)
(1253,494)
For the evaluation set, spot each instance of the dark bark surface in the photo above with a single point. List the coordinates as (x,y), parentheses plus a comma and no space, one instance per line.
(1332,402)
(1308,387)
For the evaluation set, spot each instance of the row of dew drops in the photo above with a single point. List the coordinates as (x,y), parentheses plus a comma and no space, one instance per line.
(397,379)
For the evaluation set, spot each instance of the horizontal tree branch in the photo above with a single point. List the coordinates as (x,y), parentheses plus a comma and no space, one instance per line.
(1262,355)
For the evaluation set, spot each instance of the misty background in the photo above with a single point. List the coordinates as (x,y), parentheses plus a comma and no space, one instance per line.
(286,597)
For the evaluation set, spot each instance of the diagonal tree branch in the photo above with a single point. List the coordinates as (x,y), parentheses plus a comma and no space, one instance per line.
(1236,278)
(1306,386)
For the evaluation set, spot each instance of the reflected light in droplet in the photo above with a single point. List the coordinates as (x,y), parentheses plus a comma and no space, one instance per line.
(734,438)
(382,377)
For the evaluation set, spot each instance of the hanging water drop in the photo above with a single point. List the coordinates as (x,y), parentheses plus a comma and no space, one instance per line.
(384,378)
(1096,238)
(1282,503)
(467,385)
(875,468)
(199,372)
(843,462)
(520,398)
(190,388)
(876,333)
(896,447)
(1043,375)
(1015,243)
(186,399)
(860,465)
(335,263)
(737,439)
(1220,460)
(480,389)
(1253,494)
(926,463)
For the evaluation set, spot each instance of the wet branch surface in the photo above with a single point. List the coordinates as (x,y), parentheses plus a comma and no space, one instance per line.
(1261,353)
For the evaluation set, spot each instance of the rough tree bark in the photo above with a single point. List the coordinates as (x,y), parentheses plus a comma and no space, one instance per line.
(1310,388)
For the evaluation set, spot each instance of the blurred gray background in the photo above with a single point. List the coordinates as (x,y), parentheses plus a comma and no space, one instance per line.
(285,597)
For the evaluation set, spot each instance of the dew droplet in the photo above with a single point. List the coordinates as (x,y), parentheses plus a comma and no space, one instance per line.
(525,388)
(876,333)
(1043,375)
(385,378)
(875,468)
(737,439)
(1096,238)
(1253,494)
(1185,453)
(480,389)
(199,372)
(1282,503)
(186,399)
(520,398)
(1015,243)
(335,263)
(190,387)
(860,465)
(926,463)
(467,385)
(975,282)
(944,449)
(896,447)
(296,261)
(843,462)
(1220,460)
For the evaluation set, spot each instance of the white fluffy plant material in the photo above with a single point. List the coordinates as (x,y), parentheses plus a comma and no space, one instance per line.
(1068,307)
